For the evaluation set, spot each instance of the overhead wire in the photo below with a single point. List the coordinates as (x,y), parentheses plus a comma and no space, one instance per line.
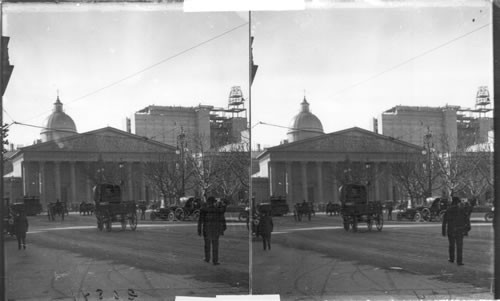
(114,83)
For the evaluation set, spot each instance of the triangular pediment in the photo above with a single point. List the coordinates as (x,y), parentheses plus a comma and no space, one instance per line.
(102,140)
(353,140)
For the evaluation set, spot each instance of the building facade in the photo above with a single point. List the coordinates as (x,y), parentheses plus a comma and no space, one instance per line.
(448,126)
(203,127)
(314,169)
(66,169)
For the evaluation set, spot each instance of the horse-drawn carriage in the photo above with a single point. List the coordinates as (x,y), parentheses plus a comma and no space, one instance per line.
(56,208)
(356,208)
(110,208)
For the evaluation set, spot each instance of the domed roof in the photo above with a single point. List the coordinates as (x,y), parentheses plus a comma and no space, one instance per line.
(58,124)
(304,125)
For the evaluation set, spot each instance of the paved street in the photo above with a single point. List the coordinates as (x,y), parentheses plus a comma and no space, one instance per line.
(314,260)
(319,260)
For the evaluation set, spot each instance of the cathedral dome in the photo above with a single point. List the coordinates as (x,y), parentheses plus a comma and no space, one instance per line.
(58,124)
(304,125)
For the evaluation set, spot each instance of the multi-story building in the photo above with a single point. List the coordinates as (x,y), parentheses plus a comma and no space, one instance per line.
(449,128)
(205,124)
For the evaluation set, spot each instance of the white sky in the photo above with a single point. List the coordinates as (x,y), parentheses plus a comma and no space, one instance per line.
(334,54)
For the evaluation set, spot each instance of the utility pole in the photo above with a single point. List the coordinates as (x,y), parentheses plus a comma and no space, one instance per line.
(5,72)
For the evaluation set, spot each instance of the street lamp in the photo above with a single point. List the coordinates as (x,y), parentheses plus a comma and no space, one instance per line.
(427,151)
(180,151)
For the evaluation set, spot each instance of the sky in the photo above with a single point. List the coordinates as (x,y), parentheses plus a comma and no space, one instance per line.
(90,54)
(351,62)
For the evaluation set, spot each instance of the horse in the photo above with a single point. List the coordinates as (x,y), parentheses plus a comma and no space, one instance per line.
(56,208)
(86,208)
(304,208)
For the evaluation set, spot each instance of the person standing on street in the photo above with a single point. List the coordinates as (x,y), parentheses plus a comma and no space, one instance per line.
(266,227)
(389,211)
(20,229)
(455,225)
(211,224)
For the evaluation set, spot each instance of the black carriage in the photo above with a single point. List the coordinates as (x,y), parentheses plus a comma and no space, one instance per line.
(55,209)
(189,209)
(355,208)
(110,208)
(165,214)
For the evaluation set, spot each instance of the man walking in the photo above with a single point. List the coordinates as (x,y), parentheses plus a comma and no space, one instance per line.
(211,224)
(455,225)
(20,229)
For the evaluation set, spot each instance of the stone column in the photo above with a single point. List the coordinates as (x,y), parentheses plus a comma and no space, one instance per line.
(57,170)
(376,182)
(335,184)
(73,183)
(320,182)
(129,178)
(88,188)
(272,178)
(24,177)
(143,182)
(289,186)
(43,184)
(303,166)
(390,183)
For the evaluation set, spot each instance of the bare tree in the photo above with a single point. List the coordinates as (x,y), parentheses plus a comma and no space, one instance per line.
(233,178)
(165,175)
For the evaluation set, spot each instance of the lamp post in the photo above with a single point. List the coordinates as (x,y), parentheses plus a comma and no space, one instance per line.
(427,151)
(180,151)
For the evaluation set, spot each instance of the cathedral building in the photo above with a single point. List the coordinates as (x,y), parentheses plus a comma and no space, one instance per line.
(313,165)
(67,164)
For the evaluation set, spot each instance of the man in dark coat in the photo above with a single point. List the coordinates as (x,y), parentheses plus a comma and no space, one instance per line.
(266,228)
(455,225)
(211,224)
(20,229)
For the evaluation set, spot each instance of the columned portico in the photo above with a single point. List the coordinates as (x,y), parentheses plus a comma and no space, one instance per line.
(303,169)
(320,181)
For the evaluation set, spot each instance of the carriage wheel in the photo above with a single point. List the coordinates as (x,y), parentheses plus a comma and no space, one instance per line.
(123,220)
(196,215)
(152,216)
(426,214)
(179,214)
(132,221)
(379,222)
(417,217)
(171,216)
(369,223)
(354,224)
(488,217)
(108,225)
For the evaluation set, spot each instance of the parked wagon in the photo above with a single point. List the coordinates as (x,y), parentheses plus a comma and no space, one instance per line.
(110,208)
(357,209)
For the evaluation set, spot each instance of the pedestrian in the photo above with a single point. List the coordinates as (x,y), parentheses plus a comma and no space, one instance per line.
(456,224)
(266,228)
(211,224)
(389,211)
(20,229)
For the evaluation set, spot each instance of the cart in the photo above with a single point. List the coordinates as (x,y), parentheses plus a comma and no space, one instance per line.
(355,208)
(110,208)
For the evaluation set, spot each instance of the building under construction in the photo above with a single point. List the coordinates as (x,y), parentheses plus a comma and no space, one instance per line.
(201,126)
(451,127)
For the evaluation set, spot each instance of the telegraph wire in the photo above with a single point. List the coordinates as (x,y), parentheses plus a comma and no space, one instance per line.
(410,60)
(151,66)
